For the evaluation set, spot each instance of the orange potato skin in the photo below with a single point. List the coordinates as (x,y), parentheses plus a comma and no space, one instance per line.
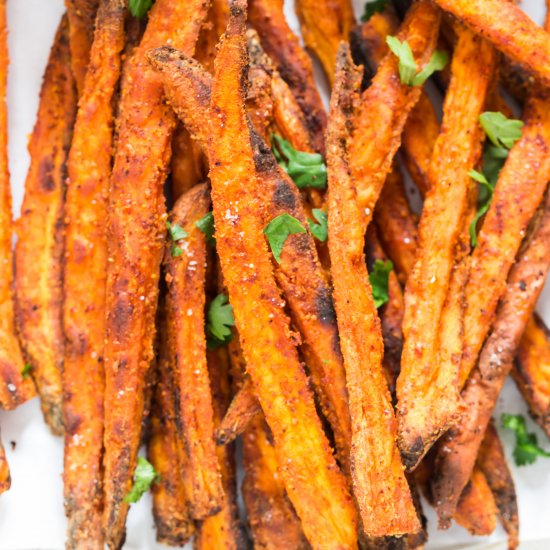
(5,478)
(187,166)
(531,371)
(14,389)
(136,236)
(185,303)
(39,248)
(380,487)
(85,267)
(427,387)
(509,29)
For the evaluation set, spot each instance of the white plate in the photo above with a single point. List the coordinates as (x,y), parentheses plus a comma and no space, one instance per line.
(31,513)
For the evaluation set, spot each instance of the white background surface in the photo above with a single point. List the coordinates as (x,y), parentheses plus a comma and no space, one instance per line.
(31,513)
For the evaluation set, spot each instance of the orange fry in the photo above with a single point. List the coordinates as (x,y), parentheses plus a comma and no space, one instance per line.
(5,478)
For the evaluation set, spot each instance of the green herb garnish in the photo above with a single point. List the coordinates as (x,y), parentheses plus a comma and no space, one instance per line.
(278,230)
(320,229)
(144,476)
(527,449)
(206,226)
(219,321)
(375,6)
(379,280)
(26,371)
(177,233)
(139,8)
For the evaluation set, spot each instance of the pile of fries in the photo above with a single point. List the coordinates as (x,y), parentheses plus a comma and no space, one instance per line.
(207,258)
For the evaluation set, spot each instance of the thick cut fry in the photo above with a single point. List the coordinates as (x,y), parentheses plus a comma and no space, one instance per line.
(185,301)
(136,234)
(85,268)
(477,510)
(380,487)
(531,371)
(313,482)
(427,388)
(39,249)
(384,108)
(81,15)
(492,462)
(458,450)
(5,478)
(293,64)
(509,29)
(324,25)
(14,389)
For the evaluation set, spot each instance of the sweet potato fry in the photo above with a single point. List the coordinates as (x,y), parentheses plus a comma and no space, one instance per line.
(509,29)
(135,234)
(313,482)
(81,15)
(212,29)
(492,462)
(380,487)
(187,166)
(39,249)
(185,302)
(427,388)
(14,388)
(324,24)
(5,478)
(85,268)
(458,449)
(531,371)
(292,63)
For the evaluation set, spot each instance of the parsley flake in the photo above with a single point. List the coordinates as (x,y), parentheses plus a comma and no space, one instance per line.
(139,8)
(502,131)
(144,476)
(26,371)
(219,321)
(527,449)
(206,226)
(320,229)
(379,279)
(305,169)
(177,233)
(408,69)
(372,7)
(278,230)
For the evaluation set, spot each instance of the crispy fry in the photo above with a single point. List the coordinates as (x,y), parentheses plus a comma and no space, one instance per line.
(211,32)
(39,249)
(492,462)
(14,389)
(293,65)
(81,15)
(135,233)
(85,266)
(531,371)
(5,478)
(187,165)
(384,108)
(458,449)
(313,482)
(185,300)
(427,387)
(324,24)
(509,29)
(240,413)
(476,510)
(380,487)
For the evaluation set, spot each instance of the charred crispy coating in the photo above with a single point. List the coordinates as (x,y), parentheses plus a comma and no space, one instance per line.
(427,387)
(458,449)
(324,24)
(384,108)
(313,482)
(293,65)
(477,510)
(5,478)
(531,371)
(136,237)
(240,413)
(81,15)
(14,389)
(509,29)
(85,268)
(39,249)
(185,301)
(492,462)
(379,482)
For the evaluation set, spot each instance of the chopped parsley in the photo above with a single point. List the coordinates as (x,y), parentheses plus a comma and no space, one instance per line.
(206,226)
(219,320)
(278,230)
(177,233)
(372,7)
(320,229)
(379,279)
(144,476)
(527,449)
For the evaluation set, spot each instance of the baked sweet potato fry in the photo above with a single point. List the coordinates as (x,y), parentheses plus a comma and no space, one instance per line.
(14,388)
(84,274)
(82,16)
(185,303)
(427,387)
(324,24)
(136,233)
(379,482)
(292,63)
(459,447)
(40,231)
(5,478)
(187,163)
(211,31)
(313,482)
(509,29)
(531,371)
